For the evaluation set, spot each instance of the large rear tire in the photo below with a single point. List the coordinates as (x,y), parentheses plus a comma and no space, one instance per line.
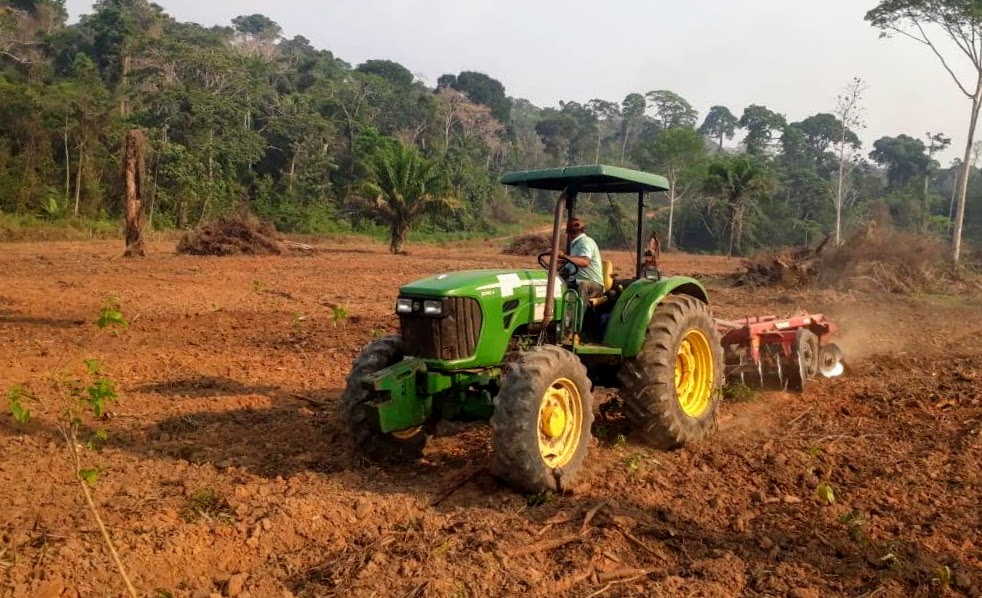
(542,419)
(368,441)
(671,389)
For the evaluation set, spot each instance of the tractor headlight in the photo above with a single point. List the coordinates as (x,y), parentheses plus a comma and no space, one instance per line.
(404,306)
(433,308)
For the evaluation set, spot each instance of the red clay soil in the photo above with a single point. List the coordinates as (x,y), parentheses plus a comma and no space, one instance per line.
(227,472)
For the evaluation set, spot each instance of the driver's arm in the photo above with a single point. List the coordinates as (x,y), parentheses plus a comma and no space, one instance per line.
(576,260)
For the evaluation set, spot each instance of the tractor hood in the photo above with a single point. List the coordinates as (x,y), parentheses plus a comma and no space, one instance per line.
(505,284)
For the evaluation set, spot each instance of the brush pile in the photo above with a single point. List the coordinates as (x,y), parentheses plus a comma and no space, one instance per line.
(876,259)
(233,235)
(532,244)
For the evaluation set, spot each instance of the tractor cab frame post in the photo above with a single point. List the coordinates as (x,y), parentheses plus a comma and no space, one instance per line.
(640,252)
(566,199)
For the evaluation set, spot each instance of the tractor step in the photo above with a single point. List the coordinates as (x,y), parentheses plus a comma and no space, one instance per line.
(591,349)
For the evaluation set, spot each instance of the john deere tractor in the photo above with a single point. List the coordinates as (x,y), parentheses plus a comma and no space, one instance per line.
(523,349)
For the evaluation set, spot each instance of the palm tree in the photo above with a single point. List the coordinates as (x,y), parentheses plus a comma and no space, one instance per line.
(402,186)
(736,178)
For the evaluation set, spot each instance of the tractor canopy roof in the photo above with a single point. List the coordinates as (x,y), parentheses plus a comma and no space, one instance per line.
(595,178)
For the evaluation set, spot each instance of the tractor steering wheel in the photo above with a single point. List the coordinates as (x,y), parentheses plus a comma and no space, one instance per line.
(564,264)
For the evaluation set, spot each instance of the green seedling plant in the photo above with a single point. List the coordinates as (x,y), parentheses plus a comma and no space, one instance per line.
(17,396)
(739,392)
(825,493)
(855,521)
(207,504)
(339,315)
(88,397)
(539,498)
(111,318)
(942,579)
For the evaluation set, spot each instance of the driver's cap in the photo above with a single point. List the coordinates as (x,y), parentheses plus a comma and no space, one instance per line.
(577,225)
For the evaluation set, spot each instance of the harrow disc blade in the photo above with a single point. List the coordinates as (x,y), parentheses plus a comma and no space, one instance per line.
(830,361)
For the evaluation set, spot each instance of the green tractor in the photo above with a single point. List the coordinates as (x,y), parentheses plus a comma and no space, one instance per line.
(523,349)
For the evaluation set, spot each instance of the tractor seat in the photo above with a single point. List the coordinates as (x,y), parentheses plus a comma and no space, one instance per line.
(608,267)
(608,272)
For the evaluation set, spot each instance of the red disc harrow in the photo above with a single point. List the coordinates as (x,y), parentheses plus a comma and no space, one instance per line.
(782,352)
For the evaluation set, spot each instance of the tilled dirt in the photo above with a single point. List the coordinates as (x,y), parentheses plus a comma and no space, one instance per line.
(227,473)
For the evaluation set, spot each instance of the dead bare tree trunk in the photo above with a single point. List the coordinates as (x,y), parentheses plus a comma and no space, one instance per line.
(68,170)
(956,242)
(78,177)
(133,167)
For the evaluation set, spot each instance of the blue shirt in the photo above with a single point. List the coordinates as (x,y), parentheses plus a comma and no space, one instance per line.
(584,246)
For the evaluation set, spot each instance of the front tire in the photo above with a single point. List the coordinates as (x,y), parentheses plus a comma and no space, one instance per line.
(355,408)
(542,420)
(671,389)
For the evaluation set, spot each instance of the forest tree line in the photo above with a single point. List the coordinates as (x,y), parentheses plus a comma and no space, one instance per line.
(243,116)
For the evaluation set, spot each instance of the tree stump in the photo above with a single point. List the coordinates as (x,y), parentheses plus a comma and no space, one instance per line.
(133,170)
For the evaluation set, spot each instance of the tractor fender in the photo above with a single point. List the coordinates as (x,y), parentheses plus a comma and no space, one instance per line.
(629,320)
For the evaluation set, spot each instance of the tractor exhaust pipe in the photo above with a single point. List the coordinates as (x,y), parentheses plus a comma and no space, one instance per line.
(550,307)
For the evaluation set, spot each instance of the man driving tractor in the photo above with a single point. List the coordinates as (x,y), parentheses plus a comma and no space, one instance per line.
(585,255)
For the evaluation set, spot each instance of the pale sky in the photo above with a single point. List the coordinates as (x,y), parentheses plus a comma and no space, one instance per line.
(793,56)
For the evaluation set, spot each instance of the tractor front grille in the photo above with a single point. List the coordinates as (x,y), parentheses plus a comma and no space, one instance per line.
(449,337)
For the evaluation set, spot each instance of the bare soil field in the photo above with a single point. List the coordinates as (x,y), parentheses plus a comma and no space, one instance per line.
(226,471)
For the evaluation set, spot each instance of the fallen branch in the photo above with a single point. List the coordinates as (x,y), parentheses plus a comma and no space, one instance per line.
(567,583)
(616,582)
(544,546)
(643,546)
(590,515)
(623,574)
(552,522)
(298,246)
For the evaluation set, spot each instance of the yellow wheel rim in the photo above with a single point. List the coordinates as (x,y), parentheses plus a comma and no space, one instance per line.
(560,423)
(694,374)
(407,434)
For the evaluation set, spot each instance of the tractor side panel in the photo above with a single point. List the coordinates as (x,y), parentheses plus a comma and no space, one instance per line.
(508,308)
(508,299)
(634,309)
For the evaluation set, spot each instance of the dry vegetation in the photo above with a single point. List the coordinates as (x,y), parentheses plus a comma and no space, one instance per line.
(530,244)
(232,235)
(877,259)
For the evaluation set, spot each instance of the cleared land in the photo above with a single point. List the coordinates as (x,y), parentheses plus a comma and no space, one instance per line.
(227,471)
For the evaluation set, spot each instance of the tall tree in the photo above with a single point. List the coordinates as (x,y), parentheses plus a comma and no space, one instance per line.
(557,131)
(936,142)
(673,152)
(736,179)
(391,71)
(632,116)
(719,123)
(605,113)
(403,186)
(848,108)
(481,89)
(257,34)
(904,157)
(925,21)
(760,123)
(671,109)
